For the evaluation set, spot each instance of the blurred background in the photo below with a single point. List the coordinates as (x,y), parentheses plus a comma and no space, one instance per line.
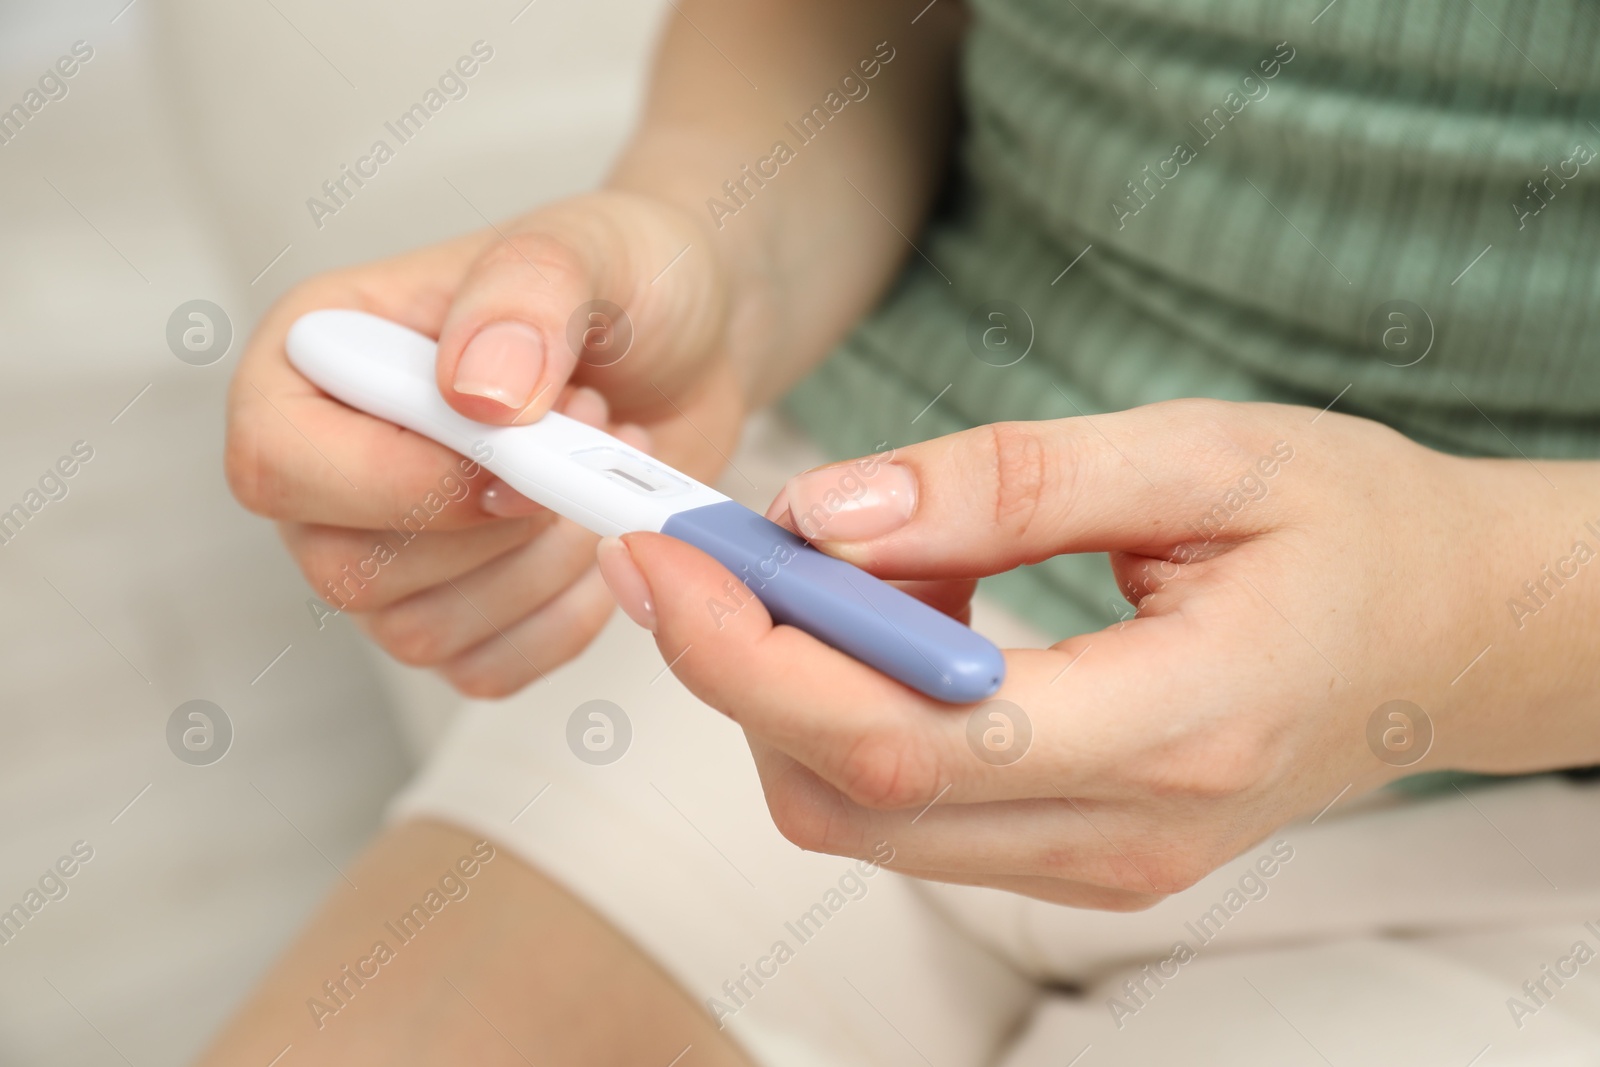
(176,167)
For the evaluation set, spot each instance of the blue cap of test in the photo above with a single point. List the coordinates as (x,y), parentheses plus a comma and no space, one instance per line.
(844,606)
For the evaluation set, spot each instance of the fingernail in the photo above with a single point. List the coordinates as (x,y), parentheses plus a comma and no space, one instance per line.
(845,504)
(502,362)
(626,582)
(779,505)
(778,512)
(504,502)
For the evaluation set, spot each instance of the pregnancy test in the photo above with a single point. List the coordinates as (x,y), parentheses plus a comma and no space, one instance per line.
(604,485)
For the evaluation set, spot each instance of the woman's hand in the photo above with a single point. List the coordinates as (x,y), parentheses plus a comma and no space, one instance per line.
(724,313)
(443,565)
(1293,572)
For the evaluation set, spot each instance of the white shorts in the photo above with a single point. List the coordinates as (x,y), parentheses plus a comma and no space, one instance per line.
(1392,930)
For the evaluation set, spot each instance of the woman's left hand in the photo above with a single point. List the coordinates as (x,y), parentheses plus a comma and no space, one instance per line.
(1294,573)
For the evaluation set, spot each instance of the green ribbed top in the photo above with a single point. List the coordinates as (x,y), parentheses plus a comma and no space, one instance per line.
(1246,231)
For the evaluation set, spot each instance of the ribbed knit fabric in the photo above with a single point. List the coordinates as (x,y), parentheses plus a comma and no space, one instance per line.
(1254,181)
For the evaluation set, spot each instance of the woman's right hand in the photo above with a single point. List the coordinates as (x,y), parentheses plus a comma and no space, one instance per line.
(481,584)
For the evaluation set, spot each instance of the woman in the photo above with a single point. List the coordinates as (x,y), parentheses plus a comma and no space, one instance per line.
(1359,232)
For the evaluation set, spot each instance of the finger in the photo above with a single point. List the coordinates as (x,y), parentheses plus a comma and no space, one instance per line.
(953,596)
(297,454)
(524,653)
(293,453)
(998,497)
(1048,839)
(569,282)
(444,620)
(697,630)
(368,570)
(1066,712)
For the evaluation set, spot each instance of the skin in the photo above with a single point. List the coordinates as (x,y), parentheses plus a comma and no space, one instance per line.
(1364,569)
(464,990)
(496,591)
(1237,699)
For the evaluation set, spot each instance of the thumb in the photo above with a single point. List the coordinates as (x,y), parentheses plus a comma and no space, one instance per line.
(997,497)
(557,296)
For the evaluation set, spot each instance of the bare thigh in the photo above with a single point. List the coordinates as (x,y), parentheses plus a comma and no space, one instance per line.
(508,968)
